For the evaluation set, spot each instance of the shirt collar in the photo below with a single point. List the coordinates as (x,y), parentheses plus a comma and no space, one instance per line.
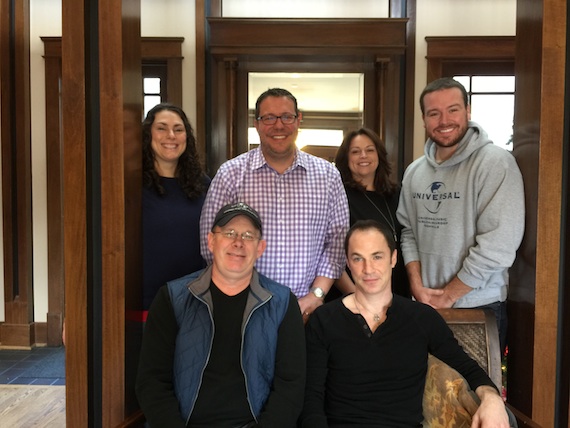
(301,159)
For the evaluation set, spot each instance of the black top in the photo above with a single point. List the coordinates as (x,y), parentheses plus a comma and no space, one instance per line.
(358,379)
(171,236)
(361,208)
(222,399)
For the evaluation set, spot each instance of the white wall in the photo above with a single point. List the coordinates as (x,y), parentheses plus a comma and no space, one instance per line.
(176,18)
(305,9)
(455,18)
(40,25)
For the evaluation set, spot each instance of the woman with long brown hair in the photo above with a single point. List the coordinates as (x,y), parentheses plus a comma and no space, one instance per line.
(372,193)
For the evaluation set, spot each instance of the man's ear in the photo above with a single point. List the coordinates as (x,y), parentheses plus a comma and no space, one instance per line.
(210,241)
(468,111)
(261,246)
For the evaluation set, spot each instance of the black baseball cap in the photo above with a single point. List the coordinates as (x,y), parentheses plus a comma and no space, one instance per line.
(227,212)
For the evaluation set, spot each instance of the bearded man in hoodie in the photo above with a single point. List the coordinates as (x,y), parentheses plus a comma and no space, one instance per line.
(461,208)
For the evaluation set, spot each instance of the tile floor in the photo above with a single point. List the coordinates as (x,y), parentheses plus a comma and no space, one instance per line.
(38,366)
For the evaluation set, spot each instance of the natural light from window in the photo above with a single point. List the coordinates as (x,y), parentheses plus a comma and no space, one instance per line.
(492,105)
(306,137)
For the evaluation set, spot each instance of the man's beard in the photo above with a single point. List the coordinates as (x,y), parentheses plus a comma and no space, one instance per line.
(449,144)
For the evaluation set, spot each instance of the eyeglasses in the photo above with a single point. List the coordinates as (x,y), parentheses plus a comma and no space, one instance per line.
(286,119)
(232,234)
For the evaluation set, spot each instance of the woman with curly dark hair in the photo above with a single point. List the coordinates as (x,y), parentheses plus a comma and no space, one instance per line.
(174,189)
(372,194)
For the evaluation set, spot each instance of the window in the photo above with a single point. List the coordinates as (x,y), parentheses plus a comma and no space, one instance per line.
(154,77)
(492,100)
(485,66)
(331,103)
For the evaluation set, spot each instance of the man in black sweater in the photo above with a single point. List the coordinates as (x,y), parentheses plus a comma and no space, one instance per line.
(367,352)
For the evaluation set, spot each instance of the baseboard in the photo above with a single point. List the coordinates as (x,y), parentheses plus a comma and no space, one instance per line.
(23,336)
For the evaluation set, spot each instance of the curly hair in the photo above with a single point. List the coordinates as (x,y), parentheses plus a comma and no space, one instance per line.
(383,183)
(188,171)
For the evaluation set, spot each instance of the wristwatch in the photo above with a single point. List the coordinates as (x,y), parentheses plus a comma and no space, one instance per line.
(318,291)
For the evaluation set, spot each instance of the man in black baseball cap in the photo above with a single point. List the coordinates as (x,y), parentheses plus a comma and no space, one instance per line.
(229,211)
(225,346)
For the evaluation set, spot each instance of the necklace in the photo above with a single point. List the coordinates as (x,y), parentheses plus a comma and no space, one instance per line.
(390,222)
(375,317)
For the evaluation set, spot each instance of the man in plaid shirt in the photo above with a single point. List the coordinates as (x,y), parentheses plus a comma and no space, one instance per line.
(300,198)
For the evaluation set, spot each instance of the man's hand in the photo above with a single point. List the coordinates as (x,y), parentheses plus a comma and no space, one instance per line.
(435,297)
(429,296)
(452,292)
(421,294)
(308,304)
(491,411)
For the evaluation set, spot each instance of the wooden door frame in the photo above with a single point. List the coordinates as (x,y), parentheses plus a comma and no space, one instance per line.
(375,47)
(164,49)
(224,47)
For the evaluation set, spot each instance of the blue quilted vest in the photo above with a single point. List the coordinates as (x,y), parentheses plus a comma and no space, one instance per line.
(265,309)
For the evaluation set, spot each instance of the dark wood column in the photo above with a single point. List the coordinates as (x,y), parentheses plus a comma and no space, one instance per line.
(54,186)
(17,330)
(101,105)
(536,345)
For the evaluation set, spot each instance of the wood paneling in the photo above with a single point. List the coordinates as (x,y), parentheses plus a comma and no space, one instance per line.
(534,302)
(549,212)
(101,101)
(16,173)
(488,47)
(74,123)
(54,186)
(294,36)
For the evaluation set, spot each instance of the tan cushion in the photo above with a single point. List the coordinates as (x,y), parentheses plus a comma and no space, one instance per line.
(448,402)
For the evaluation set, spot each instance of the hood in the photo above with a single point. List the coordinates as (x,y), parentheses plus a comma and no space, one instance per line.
(473,140)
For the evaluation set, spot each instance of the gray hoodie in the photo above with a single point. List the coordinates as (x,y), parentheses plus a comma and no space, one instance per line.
(464,217)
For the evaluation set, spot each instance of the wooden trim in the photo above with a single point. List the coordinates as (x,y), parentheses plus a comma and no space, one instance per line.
(522,419)
(471,47)
(407,92)
(447,56)
(335,36)
(151,47)
(548,249)
(16,172)
(101,104)
(54,189)
(74,124)
(174,80)
(161,47)
(112,211)
(201,71)
(20,335)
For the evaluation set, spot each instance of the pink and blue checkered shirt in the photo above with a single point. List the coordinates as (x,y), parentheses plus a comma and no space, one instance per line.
(304,213)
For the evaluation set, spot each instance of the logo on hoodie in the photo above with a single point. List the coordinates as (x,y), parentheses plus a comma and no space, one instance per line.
(434,195)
